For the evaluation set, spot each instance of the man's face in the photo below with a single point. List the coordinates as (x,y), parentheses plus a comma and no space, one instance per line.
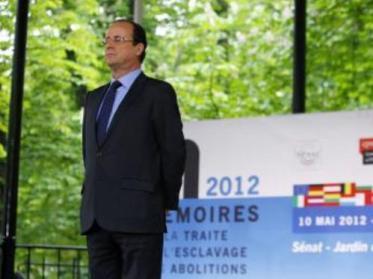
(121,53)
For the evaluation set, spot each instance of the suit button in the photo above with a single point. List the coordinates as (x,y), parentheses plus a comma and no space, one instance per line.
(99,154)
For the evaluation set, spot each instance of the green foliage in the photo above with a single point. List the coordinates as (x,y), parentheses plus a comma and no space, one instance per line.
(225,58)
(340,55)
(61,61)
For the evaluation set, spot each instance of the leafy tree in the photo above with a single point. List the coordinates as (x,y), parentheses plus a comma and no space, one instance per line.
(61,62)
(226,58)
(340,55)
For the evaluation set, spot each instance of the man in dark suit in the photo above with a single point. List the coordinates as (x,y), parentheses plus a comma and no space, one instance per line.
(134,153)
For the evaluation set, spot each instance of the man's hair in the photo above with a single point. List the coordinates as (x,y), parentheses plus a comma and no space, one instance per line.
(139,35)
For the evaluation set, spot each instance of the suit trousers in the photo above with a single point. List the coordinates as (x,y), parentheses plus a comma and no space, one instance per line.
(116,255)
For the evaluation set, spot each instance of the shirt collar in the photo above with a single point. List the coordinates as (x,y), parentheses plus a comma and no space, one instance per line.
(129,78)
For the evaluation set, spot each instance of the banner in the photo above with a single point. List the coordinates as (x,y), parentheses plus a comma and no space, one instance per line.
(275,197)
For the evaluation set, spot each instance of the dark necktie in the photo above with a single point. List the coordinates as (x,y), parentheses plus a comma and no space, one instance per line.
(105,112)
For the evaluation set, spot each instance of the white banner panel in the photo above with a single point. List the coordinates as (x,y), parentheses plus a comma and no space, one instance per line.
(283,150)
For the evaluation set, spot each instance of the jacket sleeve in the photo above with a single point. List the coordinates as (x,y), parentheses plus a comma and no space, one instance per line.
(83,136)
(168,130)
(84,127)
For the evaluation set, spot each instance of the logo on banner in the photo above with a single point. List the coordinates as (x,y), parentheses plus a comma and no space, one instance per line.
(308,152)
(366,149)
(333,207)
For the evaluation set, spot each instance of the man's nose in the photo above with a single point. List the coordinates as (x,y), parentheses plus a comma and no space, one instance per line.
(109,45)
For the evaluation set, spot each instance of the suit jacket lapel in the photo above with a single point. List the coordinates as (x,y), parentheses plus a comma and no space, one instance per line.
(131,95)
(95,101)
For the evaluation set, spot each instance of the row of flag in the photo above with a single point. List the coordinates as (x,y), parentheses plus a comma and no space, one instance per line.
(332,194)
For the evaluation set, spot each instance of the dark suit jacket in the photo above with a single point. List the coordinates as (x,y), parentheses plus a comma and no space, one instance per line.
(136,174)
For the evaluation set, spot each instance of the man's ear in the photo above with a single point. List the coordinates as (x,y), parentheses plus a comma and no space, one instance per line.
(139,49)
